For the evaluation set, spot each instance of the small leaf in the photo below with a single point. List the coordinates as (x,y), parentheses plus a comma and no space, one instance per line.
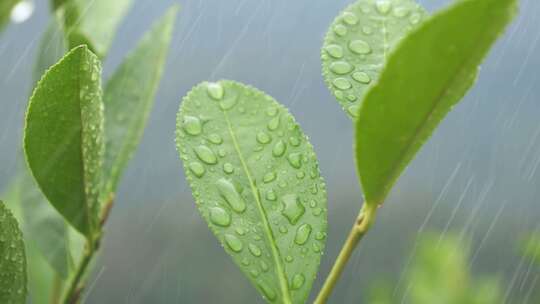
(12,260)
(358,42)
(63,139)
(93,22)
(129,96)
(256,181)
(425,77)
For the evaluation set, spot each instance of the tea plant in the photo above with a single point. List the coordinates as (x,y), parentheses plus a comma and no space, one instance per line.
(248,163)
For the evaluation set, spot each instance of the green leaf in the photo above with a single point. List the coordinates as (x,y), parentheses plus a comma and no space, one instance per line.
(63,139)
(93,23)
(129,96)
(5,11)
(429,72)
(51,49)
(256,181)
(12,260)
(358,42)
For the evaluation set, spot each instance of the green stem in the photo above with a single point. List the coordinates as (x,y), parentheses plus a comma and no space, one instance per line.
(56,292)
(363,222)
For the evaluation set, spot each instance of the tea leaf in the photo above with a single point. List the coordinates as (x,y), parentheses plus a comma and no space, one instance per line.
(63,139)
(93,23)
(429,72)
(358,42)
(12,259)
(256,181)
(129,96)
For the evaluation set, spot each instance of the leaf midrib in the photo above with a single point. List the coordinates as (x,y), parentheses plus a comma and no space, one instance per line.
(268,231)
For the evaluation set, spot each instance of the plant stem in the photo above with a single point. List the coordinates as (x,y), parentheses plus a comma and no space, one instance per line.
(363,222)
(56,292)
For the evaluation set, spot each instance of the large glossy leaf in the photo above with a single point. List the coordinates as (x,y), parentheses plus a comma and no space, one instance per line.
(93,22)
(64,137)
(358,42)
(12,260)
(429,72)
(256,181)
(5,11)
(129,96)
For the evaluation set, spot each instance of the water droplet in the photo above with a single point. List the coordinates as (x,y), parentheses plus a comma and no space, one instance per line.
(267,290)
(353,110)
(383,6)
(283,229)
(289,259)
(273,124)
(341,67)
(334,50)
(295,160)
(297,281)
(342,83)
(245,262)
(222,152)
(228,168)
(234,243)
(272,111)
(316,247)
(340,30)
(292,209)
(263,138)
(302,234)
(401,11)
(206,155)
(197,168)
(231,196)
(294,141)
(220,216)
(317,211)
(350,18)
(300,175)
(320,236)
(361,77)
(271,195)
(192,125)
(255,250)
(359,47)
(229,103)
(279,149)
(254,272)
(215,139)
(215,90)
(269,177)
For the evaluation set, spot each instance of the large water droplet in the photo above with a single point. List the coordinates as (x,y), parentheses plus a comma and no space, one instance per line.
(231,196)
(295,160)
(192,125)
(292,208)
(353,110)
(359,47)
(302,234)
(279,148)
(297,281)
(361,77)
(220,216)
(341,67)
(206,155)
(263,138)
(234,243)
(273,124)
(342,83)
(197,168)
(334,50)
(255,250)
(350,18)
(215,90)
(267,290)
(340,30)
(383,6)
(269,177)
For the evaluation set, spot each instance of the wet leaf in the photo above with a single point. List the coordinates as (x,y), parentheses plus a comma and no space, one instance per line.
(63,139)
(12,260)
(358,43)
(256,181)
(129,96)
(93,23)
(429,72)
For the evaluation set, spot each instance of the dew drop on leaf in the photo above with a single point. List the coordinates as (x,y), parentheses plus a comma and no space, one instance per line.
(220,217)
(255,250)
(215,90)
(197,168)
(234,243)
(206,155)
(302,234)
(231,196)
(292,208)
(359,47)
(298,281)
(335,51)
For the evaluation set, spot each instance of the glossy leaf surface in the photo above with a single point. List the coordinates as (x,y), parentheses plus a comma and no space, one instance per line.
(12,260)
(63,139)
(129,96)
(358,43)
(429,72)
(256,181)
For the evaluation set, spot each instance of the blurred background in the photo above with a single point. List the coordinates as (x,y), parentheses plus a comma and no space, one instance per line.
(456,222)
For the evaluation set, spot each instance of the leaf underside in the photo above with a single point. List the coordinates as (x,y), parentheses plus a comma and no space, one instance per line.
(256,181)
(12,260)
(129,96)
(63,139)
(358,43)
(429,72)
